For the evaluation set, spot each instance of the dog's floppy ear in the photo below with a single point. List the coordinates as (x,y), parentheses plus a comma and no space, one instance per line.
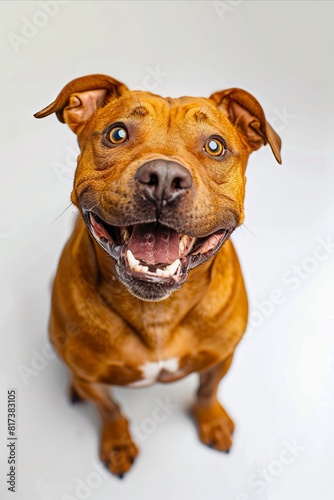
(80,98)
(247,115)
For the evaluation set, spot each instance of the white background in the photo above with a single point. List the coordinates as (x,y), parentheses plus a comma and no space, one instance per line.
(280,388)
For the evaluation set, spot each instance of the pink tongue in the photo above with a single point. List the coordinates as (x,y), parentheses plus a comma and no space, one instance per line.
(154,243)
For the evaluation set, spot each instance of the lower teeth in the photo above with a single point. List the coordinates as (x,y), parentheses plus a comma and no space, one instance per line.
(166,272)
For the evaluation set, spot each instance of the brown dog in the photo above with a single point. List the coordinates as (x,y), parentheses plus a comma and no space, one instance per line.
(145,290)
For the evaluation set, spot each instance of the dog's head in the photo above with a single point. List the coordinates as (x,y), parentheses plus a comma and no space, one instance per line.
(160,182)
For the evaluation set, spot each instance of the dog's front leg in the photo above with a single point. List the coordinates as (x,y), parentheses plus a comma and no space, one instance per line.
(214,425)
(117,451)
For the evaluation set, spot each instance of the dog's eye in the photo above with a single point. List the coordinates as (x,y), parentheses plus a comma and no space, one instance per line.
(117,135)
(214,147)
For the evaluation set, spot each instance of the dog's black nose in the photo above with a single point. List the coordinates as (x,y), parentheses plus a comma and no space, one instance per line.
(163,181)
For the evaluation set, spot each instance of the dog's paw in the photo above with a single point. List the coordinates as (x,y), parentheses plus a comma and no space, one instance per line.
(118,451)
(215,427)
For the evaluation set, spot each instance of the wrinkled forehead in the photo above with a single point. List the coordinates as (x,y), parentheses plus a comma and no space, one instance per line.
(140,104)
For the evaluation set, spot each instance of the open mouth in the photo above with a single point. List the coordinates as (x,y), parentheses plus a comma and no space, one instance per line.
(153,252)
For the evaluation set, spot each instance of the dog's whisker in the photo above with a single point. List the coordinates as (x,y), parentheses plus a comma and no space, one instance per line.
(62,213)
(249,230)
(92,208)
(138,99)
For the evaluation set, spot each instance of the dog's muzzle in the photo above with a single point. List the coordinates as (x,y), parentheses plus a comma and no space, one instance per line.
(153,259)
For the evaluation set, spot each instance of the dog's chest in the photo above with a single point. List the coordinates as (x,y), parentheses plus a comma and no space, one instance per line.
(165,370)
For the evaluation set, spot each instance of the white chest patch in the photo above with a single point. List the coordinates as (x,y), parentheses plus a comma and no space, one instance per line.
(152,369)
